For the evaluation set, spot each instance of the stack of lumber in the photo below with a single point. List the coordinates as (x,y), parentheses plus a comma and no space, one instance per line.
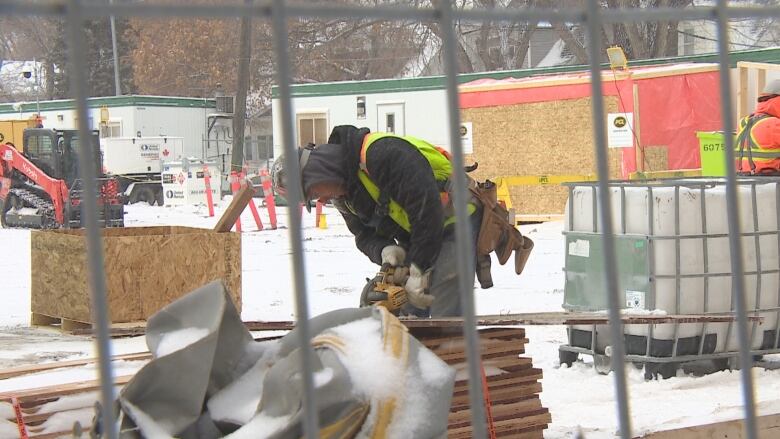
(512,382)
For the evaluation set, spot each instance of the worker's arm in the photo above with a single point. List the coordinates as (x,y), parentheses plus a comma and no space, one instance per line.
(398,168)
(366,239)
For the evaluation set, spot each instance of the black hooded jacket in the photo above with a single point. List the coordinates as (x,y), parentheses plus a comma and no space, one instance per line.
(398,168)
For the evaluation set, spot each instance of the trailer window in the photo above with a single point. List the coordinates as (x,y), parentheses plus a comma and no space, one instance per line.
(111,129)
(312,128)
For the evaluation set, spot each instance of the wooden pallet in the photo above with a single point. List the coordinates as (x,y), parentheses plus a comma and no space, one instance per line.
(514,394)
(76,327)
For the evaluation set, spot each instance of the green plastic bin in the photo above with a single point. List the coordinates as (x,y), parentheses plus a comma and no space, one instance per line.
(713,163)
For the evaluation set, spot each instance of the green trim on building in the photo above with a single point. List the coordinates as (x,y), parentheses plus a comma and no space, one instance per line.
(114,101)
(770,55)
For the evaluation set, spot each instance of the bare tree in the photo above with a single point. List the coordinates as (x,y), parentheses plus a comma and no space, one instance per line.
(639,40)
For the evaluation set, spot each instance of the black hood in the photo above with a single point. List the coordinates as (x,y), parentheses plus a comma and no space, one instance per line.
(325,165)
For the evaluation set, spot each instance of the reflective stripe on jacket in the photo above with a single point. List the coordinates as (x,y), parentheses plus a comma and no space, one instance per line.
(441,165)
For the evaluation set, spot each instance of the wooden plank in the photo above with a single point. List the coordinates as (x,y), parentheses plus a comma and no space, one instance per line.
(460,402)
(761,83)
(638,149)
(534,422)
(58,390)
(37,319)
(486,352)
(542,218)
(573,318)
(669,173)
(502,411)
(69,325)
(433,338)
(742,94)
(233,211)
(544,318)
(35,368)
(516,379)
(759,65)
(540,318)
(768,427)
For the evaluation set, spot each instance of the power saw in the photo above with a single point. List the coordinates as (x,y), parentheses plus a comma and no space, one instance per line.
(386,289)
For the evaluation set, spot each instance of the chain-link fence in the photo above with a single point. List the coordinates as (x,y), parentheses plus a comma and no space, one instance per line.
(590,13)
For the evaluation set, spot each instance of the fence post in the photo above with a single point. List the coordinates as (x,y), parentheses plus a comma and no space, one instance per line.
(209,197)
(270,202)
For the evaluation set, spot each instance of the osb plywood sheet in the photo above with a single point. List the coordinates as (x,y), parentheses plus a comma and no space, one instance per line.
(59,279)
(165,267)
(541,138)
(656,158)
(146,268)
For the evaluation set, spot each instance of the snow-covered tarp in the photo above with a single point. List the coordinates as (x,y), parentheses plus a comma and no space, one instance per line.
(210,379)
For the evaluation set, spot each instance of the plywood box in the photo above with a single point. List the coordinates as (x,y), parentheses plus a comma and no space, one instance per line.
(146,268)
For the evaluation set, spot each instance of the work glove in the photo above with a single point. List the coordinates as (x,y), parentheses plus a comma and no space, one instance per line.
(393,255)
(417,287)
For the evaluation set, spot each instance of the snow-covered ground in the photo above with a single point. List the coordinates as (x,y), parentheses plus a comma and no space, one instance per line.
(578,398)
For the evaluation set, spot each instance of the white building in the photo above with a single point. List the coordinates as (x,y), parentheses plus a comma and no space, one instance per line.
(140,116)
(402,106)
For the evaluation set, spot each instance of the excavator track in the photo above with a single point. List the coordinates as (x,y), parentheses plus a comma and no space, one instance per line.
(43,218)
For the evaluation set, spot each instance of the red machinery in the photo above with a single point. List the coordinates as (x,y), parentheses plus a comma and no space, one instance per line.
(41,187)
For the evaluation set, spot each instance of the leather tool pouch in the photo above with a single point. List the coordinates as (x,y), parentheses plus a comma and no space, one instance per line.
(497,233)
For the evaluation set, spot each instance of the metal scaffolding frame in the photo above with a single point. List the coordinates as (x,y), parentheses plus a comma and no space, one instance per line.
(589,13)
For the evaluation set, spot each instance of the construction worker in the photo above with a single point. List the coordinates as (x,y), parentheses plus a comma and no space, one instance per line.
(393,193)
(758,141)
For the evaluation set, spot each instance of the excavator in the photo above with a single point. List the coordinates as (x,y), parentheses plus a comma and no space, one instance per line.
(40,186)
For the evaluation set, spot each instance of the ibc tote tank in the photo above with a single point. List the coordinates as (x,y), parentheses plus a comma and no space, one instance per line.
(685,268)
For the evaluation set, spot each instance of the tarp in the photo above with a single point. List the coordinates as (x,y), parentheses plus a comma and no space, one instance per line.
(210,379)
(674,103)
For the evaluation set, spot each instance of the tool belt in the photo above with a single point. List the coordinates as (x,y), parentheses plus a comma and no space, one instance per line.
(498,234)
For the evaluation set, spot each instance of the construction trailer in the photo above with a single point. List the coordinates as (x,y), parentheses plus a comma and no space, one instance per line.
(417,106)
(204,124)
(125,116)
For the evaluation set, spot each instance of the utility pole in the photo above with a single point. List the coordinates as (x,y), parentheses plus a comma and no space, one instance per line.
(117,87)
(239,116)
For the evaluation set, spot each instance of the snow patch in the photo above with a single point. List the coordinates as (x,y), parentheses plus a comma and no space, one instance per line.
(238,402)
(373,372)
(177,340)
(323,377)
(8,429)
(7,410)
(259,427)
(63,421)
(70,402)
(432,369)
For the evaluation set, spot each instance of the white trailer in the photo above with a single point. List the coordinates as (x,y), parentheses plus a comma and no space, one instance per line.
(415,106)
(138,162)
